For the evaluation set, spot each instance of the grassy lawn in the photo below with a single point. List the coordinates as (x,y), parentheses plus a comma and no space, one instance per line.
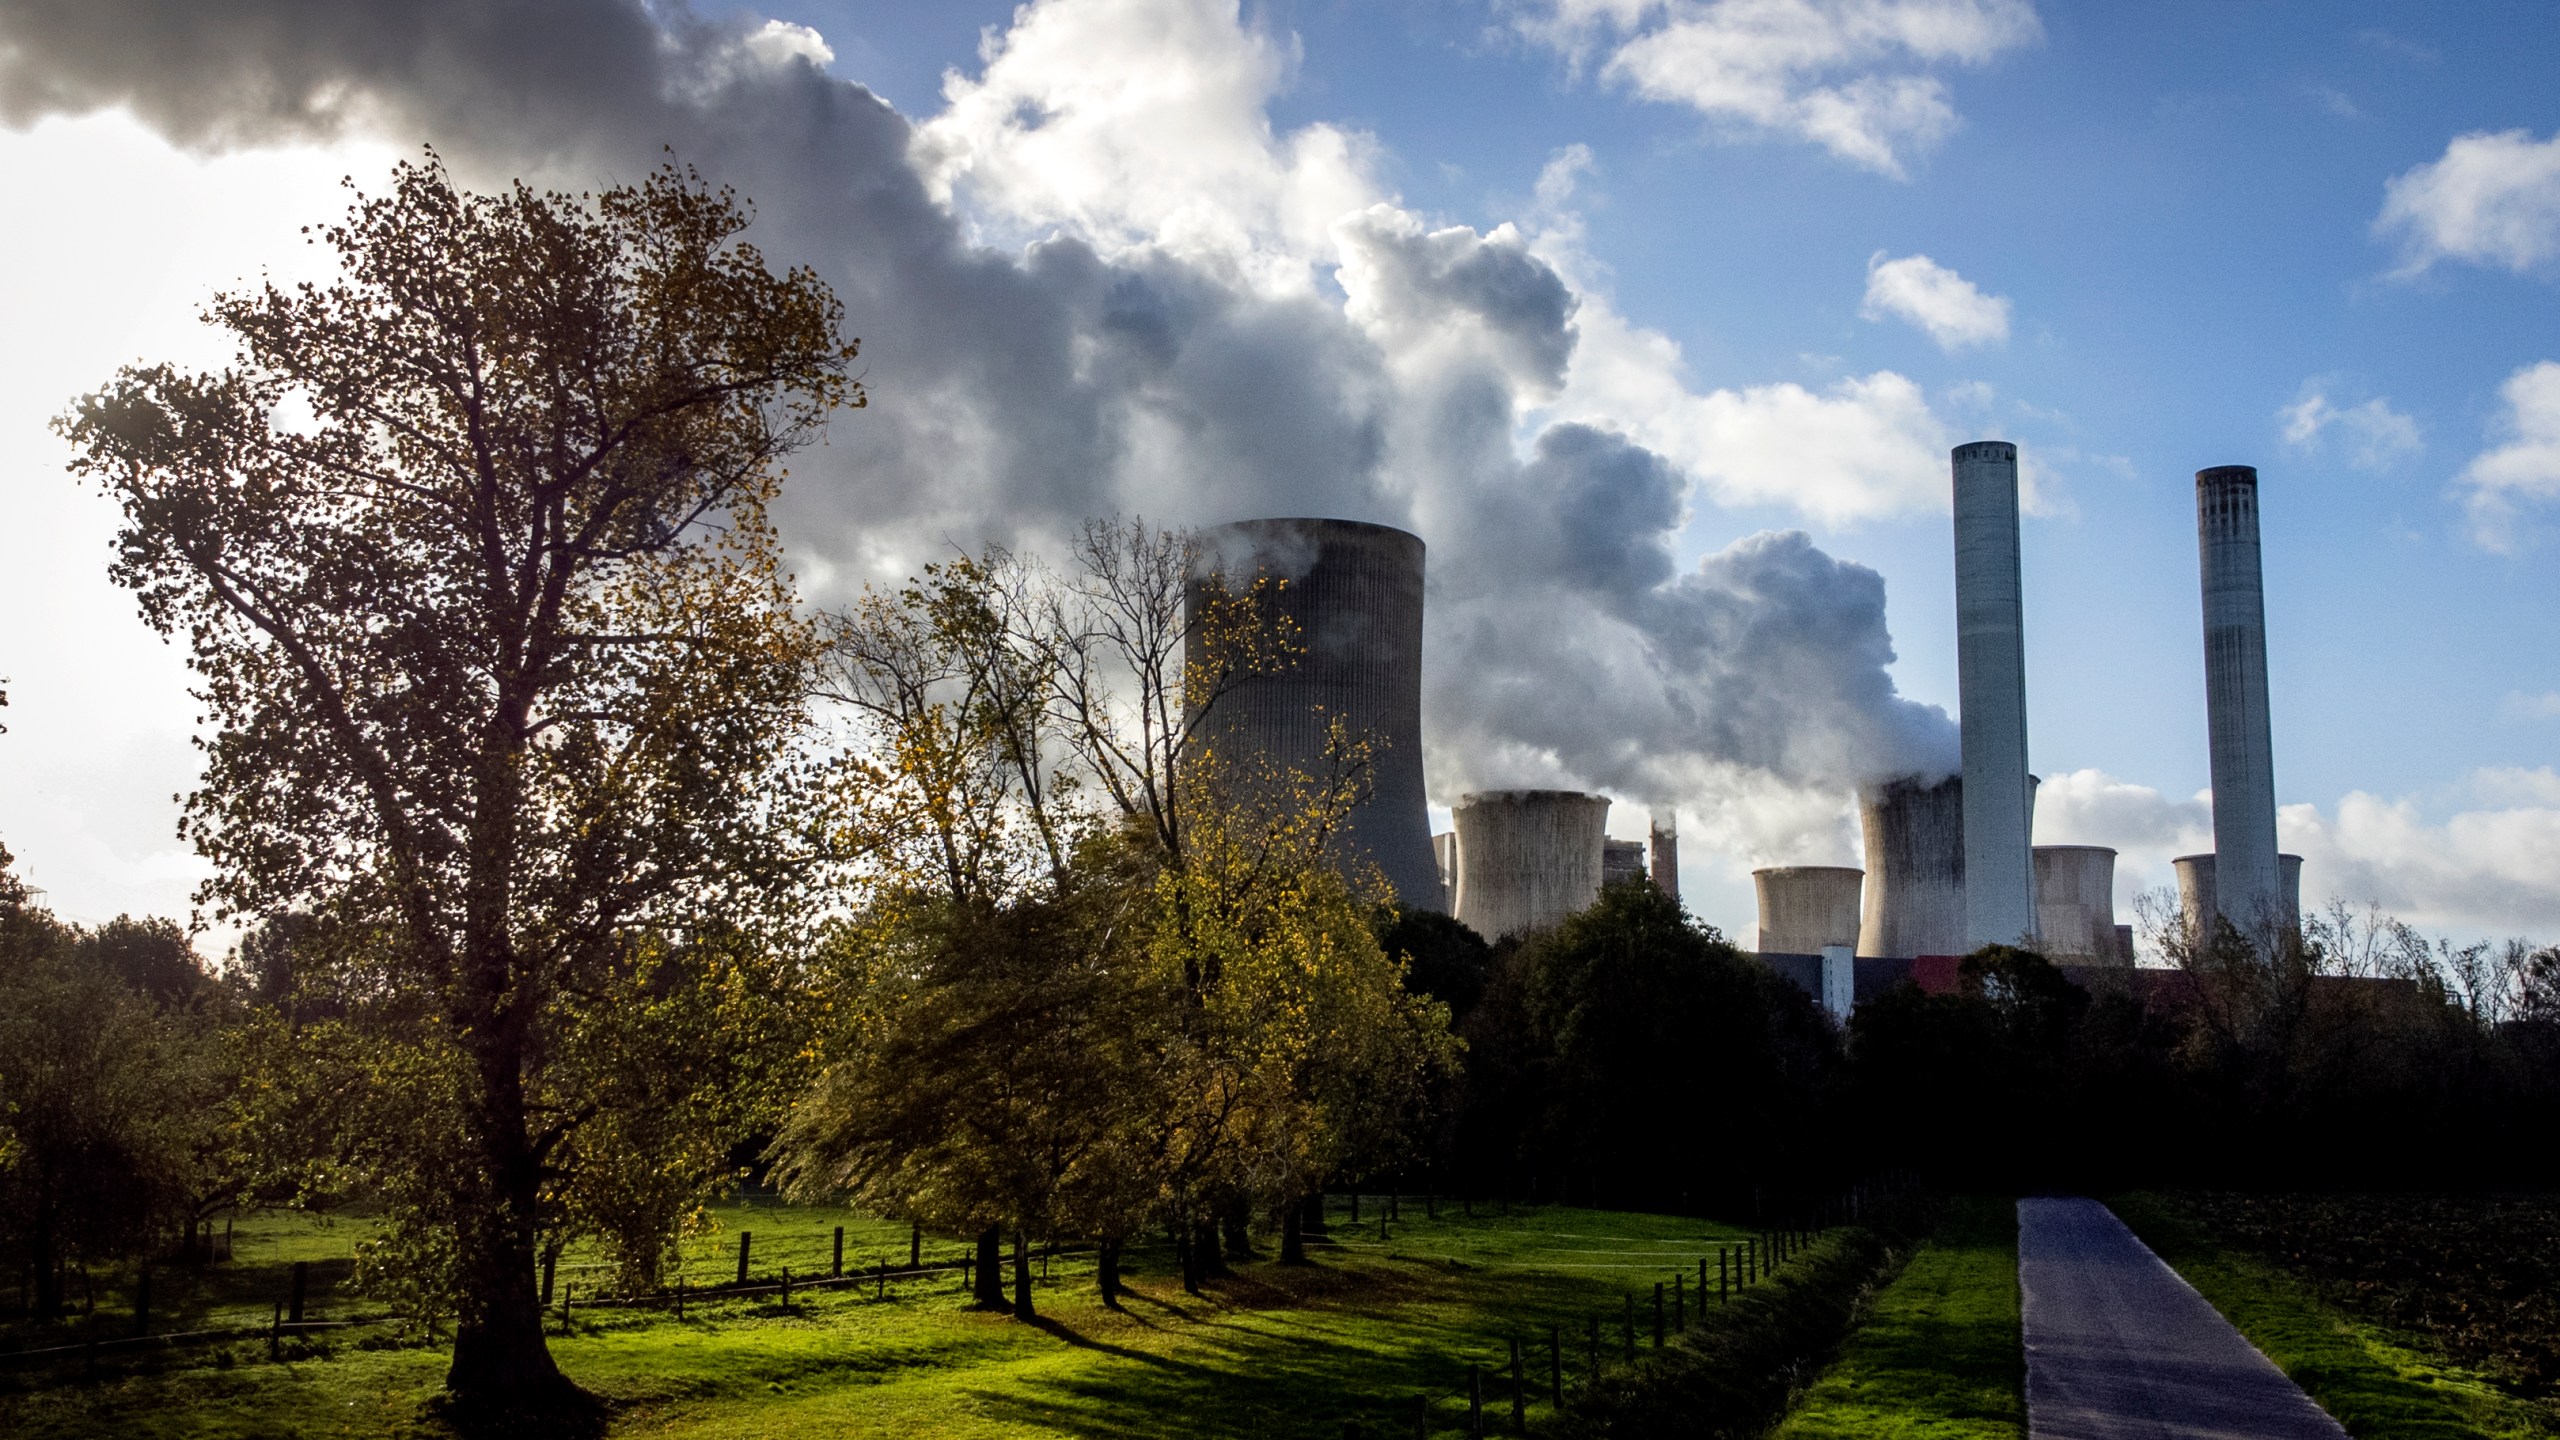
(2377,1382)
(1938,1355)
(1274,1351)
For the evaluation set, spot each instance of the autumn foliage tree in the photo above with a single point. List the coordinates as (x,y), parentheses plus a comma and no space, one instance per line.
(470,552)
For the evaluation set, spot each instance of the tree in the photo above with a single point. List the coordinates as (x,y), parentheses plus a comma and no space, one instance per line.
(470,551)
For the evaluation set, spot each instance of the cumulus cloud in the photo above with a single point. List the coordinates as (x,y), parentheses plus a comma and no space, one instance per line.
(2375,434)
(1945,306)
(2493,198)
(1853,76)
(2525,466)
(1100,279)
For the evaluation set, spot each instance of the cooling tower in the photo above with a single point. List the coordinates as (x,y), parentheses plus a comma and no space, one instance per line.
(1914,902)
(1354,592)
(1805,908)
(1527,858)
(2247,884)
(2076,905)
(1991,680)
(1621,860)
(1665,835)
(2124,944)
(2197,888)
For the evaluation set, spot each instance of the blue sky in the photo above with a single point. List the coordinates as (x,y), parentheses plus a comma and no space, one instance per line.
(2155,240)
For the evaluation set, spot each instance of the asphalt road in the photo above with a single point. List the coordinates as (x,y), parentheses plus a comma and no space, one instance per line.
(2120,1348)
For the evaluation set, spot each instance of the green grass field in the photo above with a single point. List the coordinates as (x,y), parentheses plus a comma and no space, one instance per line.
(1938,1357)
(2379,1385)
(1274,1351)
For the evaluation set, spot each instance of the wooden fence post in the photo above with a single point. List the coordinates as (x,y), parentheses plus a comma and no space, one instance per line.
(746,1242)
(915,1247)
(839,1262)
(568,1296)
(301,1282)
(275,1331)
(679,1297)
(550,1259)
(1657,1314)
(786,1287)
(1680,1300)
(1475,1399)
(142,1302)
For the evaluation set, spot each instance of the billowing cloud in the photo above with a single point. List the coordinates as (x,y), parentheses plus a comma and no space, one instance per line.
(1853,76)
(2493,198)
(2376,435)
(2524,466)
(1100,279)
(1944,305)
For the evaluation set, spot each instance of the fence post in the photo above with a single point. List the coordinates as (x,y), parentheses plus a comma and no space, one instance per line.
(568,1296)
(1475,1399)
(550,1260)
(882,1292)
(679,1297)
(1680,1300)
(226,1237)
(1519,1392)
(746,1241)
(1657,1314)
(142,1302)
(275,1331)
(786,1287)
(1555,1366)
(839,1262)
(301,1281)
(1630,1327)
(915,1247)
(1723,1254)
(1421,1417)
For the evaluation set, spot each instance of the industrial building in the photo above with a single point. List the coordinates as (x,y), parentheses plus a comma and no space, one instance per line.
(1353,595)
(1951,862)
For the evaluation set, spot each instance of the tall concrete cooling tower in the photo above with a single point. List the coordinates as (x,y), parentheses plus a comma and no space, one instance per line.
(2197,887)
(2076,905)
(1804,908)
(1527,858)
(2246,883)
(1355,594)
(1991,680)
(1914,901)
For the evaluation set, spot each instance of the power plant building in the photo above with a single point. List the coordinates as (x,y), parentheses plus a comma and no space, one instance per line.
(2198,900)
(1805,909)
(1354,594)
(1914,891)
(1664,834)
(1621,861)
(2076,905)
(1527,858)
(1991,679)
(2248,889)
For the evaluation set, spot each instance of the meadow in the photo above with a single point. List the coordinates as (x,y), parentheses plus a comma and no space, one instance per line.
(1374,1328)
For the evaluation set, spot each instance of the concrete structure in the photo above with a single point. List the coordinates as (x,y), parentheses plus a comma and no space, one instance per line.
(1527,858)
(1914,894)
(1444,852)
(2247,885)
(1664,832)
(1991,681)
(2198,897)
(1621,860)
(2076,905)
(1806,909)
(2124,943)
(1354,592)
(1839,989)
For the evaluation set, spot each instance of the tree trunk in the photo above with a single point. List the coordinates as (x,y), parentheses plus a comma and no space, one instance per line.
(989,1271)
(1293,1245)
(1022,1307)
(500,1358)
(1186,1250)
(1204,1249)
(1107,1271)
(1313,1223)
(1235,1228)
(47,1275)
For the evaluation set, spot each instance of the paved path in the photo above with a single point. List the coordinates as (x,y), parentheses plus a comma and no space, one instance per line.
(2120,1348)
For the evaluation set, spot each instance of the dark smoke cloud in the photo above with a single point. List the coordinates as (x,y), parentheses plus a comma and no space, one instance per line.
(1018,390)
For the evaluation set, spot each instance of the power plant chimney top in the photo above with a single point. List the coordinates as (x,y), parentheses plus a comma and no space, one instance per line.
(1986,450)
(2228,475)
(1473,796)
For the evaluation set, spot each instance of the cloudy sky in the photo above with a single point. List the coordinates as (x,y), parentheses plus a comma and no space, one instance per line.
(1655,318)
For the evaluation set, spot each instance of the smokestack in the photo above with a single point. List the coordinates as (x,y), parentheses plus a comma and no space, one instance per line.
(2076,904)
(1527,858)
(2197,898)
(1666,852)
(1991,680)
(1354,592)
(1914,900)
(2248,886)
(1805,909)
